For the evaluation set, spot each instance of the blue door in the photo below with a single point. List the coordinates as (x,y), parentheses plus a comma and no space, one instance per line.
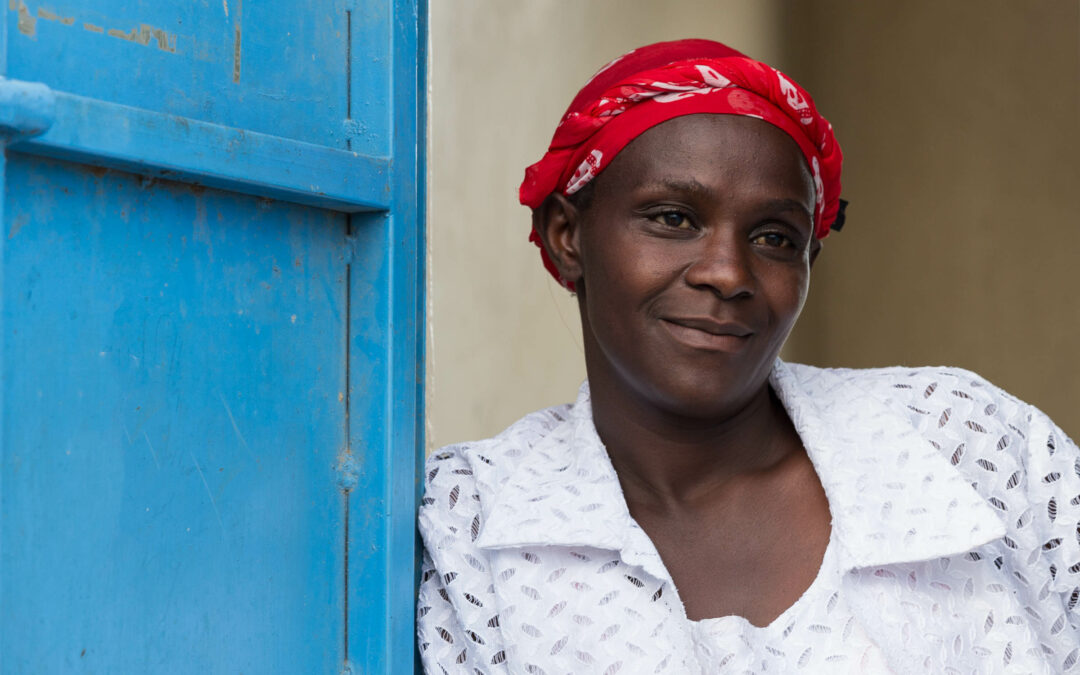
(210,335)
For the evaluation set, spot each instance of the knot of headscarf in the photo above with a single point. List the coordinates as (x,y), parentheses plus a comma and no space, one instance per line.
(653,84)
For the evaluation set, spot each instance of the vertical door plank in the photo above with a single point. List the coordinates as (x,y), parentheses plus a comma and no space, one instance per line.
(387,374)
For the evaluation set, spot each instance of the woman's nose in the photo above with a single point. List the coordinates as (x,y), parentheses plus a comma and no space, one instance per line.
(722,264)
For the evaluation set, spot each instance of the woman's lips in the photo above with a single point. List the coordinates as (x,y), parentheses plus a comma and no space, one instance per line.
(709,334)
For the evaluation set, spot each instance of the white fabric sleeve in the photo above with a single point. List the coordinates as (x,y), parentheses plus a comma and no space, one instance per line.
(1053,488)
(457,620)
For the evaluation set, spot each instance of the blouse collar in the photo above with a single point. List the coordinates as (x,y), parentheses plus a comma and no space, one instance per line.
(894,498)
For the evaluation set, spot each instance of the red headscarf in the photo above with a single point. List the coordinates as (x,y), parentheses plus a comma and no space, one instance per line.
(653,84)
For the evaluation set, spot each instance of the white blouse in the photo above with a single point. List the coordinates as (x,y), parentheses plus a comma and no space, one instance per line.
(955,544)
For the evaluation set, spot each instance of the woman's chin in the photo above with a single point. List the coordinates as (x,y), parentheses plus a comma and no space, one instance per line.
(708,400)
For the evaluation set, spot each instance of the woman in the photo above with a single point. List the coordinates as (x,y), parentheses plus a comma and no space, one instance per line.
(703,506)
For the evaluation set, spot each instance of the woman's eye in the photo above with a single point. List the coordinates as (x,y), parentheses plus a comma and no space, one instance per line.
(674,219)
(773,239)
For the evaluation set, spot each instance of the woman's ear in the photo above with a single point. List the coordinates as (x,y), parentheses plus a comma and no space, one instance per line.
(558,222)
(815,249)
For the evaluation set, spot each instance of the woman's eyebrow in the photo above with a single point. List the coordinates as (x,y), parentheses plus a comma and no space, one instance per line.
(693,187)
(680,185)
(786,204)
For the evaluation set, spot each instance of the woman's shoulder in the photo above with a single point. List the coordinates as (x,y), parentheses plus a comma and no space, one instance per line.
(460,476)
(946,391)
(1010,452)
(959,411)
(903,378)
(503,448)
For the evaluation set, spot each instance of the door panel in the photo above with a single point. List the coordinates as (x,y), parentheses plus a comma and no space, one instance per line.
(176,413)
(211,335)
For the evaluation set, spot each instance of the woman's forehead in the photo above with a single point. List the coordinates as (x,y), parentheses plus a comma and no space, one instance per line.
(692,151)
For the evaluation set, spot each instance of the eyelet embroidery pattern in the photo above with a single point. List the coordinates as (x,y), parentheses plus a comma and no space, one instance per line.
(956,518)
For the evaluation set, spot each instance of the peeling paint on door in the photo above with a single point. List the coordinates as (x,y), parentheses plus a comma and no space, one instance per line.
(50,16)
(166,42)
(144,34)
(27,23)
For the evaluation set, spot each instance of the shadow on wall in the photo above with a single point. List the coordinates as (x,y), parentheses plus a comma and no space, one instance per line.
(962,157)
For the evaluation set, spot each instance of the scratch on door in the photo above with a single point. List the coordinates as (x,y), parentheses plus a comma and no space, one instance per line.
(236,40)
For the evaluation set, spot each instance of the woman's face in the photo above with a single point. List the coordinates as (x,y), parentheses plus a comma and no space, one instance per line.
(693,260)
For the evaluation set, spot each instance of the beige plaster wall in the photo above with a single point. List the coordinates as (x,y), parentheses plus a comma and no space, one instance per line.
(959,122)
(503,337)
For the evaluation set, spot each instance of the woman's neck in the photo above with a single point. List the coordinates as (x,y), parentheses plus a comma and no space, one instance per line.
(672,461)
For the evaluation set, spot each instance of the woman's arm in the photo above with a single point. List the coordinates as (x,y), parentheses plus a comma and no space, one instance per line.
(1053,490)
(457,621)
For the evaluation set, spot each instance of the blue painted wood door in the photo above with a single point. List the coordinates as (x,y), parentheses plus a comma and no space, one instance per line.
(210,335)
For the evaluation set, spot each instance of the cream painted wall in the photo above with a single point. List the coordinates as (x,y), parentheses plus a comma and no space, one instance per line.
(503,337)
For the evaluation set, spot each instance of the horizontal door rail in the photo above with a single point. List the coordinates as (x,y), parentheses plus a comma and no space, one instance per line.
(40,121)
